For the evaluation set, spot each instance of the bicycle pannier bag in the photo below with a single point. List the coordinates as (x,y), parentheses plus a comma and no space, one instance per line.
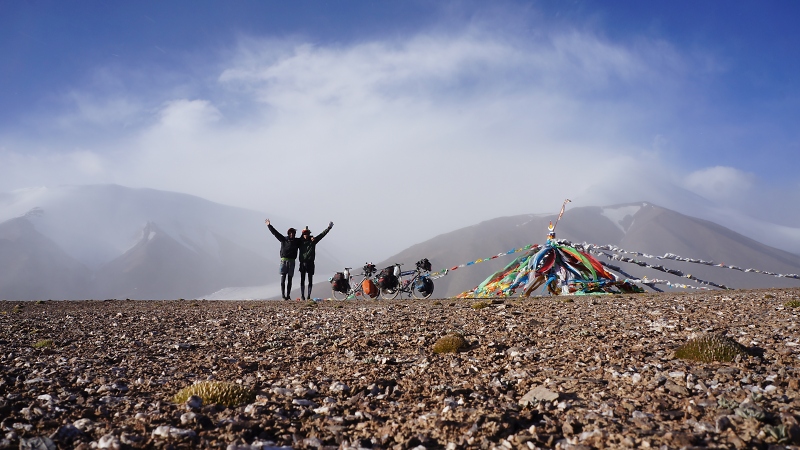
(339,283)
(387,279)
(424,286)
(424,264)
(369,288)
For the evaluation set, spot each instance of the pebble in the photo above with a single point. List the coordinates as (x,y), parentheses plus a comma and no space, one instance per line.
(360,374)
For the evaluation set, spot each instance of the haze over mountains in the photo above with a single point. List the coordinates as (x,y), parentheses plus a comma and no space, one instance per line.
(108,241)
(641,227)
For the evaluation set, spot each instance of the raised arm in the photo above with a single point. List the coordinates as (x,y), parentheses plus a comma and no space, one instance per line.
(319,237)
(272,229)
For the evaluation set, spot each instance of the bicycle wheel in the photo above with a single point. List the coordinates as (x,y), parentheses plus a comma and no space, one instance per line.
(420,295)
(389,294)
(339,295)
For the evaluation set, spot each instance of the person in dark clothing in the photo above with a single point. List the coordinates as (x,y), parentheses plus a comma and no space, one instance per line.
(308,244)
(289,247)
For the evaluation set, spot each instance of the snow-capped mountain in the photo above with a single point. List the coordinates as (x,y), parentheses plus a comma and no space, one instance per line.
(114,242)
(641,227)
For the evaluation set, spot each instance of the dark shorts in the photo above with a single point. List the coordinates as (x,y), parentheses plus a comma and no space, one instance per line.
(287,267)
(307,267)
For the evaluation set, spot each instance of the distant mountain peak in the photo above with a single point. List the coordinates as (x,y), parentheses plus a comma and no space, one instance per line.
(622,215)
(35,212)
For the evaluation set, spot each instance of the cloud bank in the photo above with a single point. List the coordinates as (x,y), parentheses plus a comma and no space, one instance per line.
(398,139)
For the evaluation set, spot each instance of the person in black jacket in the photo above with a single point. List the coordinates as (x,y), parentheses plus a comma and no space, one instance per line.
(289,247)
(308,244)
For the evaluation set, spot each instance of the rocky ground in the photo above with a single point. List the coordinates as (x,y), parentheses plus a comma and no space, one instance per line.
(545,372)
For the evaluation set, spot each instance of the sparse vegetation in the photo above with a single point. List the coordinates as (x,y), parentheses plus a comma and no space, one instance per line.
(481,305)
(725,403)
(450,343)
(711,347)
(779,432)
(792,304)
(43,343)
(216,392)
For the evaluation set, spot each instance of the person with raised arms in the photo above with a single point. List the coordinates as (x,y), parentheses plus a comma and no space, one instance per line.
(308,244)
(289,247)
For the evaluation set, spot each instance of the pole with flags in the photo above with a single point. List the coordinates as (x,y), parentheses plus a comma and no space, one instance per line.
(563,206)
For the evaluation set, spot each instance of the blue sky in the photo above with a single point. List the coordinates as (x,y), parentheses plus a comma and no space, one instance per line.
(482,109)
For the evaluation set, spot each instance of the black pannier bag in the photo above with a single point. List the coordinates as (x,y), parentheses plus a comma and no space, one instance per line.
(339,283)
(424,264)
(424,285)
(386,279)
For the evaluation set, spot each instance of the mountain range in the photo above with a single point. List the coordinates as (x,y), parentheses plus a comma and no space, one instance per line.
(108,241)
(641,227)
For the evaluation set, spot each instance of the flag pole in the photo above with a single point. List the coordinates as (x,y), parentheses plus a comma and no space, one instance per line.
(563,206)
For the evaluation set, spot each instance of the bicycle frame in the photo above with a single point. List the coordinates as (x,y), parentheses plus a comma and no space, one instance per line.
(406,283)
(356,289)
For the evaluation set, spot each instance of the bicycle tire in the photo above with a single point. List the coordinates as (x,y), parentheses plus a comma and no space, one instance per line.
(389,294)
(419,295)
(339,295)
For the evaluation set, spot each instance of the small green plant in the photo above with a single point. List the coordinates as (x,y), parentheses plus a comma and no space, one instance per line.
(40,302)
(450,343)
(725,403)
(481,304)
(779,432)
(768,296)
(311,303)
(216,392)
(16,309)
(43,343)
(711,347)
(750,411)
(792,304)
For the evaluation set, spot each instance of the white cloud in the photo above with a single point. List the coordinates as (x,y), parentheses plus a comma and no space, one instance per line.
(90,110)
(188,115)
(87,162)
(720,183)
(396,140)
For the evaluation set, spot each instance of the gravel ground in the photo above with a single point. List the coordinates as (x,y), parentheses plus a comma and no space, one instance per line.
(544,372)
